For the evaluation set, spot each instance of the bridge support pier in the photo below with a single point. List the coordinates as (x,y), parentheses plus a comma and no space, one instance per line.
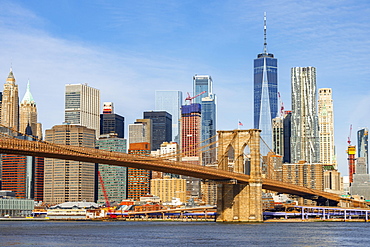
(240,202)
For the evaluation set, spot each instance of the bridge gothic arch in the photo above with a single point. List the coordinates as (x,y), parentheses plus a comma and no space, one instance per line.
(240,202)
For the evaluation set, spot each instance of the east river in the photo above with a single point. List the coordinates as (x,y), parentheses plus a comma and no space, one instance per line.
(130,233)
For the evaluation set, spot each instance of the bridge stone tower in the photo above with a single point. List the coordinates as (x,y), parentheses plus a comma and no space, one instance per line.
(240,202)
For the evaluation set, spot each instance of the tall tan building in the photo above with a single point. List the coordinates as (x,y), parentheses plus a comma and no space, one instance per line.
(326,127)
(10,103)
(82,106)
(309,175)
(140,131)
(28,113)
(66,180)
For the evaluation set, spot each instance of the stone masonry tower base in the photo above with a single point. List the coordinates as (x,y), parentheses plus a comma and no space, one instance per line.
(240,202)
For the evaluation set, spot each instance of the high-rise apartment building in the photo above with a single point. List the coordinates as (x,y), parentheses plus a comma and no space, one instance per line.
(170,101)
(28,113)
(202,83)
(138,180)
(67,180)
(287,125)
(191,129)
(114,177)
(10,103)
(278,135)
(161,127)
(82,106)
(111,122)
(140,131)
(326,127)
(363,146)
(265,94)
(305,129)
(190,144)
(309,175)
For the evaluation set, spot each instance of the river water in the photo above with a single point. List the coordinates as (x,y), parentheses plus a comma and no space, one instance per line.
(140,233)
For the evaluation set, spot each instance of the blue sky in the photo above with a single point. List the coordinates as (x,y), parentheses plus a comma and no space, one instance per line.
(129,49)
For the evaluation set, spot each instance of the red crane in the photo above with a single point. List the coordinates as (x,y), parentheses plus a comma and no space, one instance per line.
(191,98)
(107,204)
(281,114)
(350,133)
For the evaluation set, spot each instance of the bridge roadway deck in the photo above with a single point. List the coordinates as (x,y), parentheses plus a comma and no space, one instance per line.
(49,150)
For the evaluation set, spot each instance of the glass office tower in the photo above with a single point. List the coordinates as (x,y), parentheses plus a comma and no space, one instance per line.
(362,145)
(202,83)
(170,101)
(208,113)
(265,94)
(161,127)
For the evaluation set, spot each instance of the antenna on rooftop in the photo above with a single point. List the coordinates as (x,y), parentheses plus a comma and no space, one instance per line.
(264,33)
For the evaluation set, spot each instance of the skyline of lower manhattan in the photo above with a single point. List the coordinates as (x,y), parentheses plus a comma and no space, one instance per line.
(288,127)
(138,62)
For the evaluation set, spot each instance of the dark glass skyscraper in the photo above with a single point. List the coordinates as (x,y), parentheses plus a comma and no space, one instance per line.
(111,122)
(265,94)
(161,126)
(362,145)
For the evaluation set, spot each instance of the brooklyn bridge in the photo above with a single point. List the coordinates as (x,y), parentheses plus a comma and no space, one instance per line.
(239,195)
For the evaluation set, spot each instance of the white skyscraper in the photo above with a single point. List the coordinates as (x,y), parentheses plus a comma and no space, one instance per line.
(170,101)
(305,130)
(82,106)
(326,127)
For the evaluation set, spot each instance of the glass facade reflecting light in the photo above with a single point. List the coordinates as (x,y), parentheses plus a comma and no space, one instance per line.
(170,101)
(265,96)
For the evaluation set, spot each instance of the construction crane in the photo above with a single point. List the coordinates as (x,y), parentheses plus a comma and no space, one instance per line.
(351,151)
(107,204)
(281,113)
(350,133)
(189,98)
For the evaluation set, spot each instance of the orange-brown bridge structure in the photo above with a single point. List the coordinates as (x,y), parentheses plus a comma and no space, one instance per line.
(239,196)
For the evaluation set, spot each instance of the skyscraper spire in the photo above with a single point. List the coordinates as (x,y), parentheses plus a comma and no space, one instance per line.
(264,34)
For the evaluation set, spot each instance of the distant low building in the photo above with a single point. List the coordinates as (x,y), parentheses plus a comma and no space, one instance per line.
(13,207)
(75,210)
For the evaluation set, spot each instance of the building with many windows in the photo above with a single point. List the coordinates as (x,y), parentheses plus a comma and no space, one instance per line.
(305,145)
(161,127)
(363,146)
(82,106)
(28,114)
(24,175)
(170,101)
(10,103)
(67,180)
(202,83)
(111,122)
(140,131)
(169,188)
(326,127)
(265,94)
(114,177)
(138,180)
